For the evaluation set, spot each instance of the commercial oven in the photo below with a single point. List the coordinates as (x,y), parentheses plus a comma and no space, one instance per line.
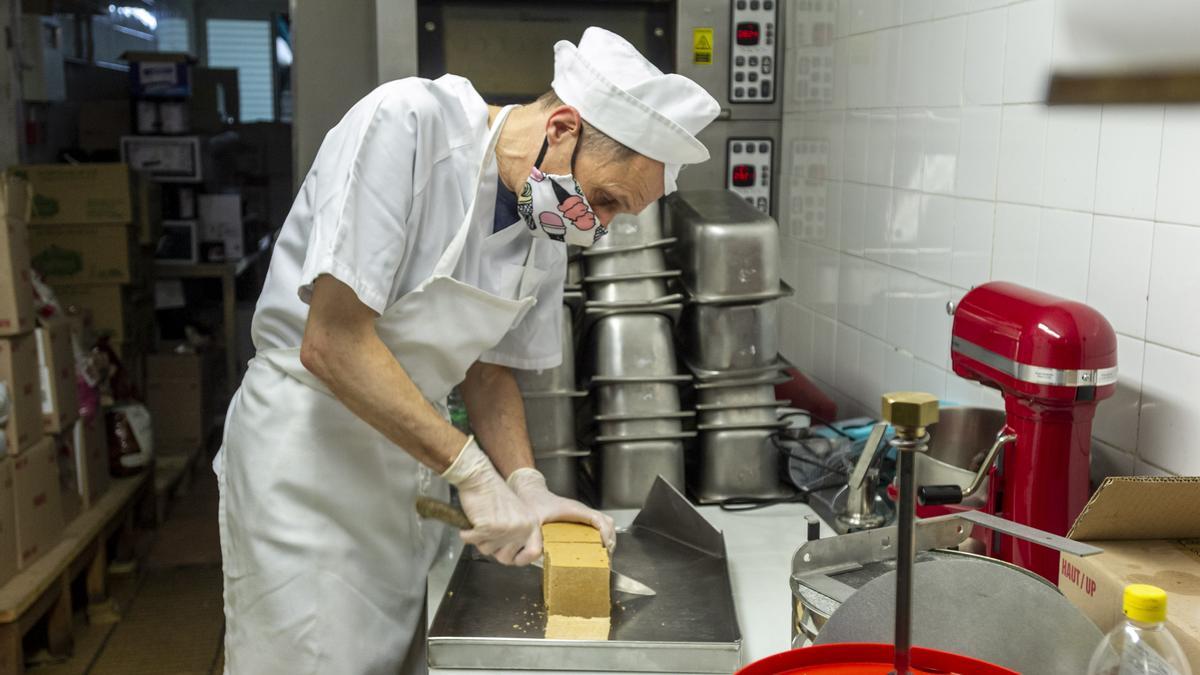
(733,48)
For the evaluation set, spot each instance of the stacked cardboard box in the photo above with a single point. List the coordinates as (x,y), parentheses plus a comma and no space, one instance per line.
(182,398)
(39,516)
(90,229)
(18,343)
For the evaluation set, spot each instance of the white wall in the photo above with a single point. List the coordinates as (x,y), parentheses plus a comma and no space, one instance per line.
(922,163)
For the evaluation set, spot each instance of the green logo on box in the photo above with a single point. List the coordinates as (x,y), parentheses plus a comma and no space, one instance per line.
(43,206)
(58,261)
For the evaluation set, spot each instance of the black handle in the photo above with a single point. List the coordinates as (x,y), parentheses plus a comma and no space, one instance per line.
(936,495)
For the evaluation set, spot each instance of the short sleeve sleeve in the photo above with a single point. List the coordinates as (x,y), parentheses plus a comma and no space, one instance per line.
(364,194)
(535,343)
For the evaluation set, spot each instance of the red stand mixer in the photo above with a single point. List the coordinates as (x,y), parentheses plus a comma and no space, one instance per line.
(1053,360)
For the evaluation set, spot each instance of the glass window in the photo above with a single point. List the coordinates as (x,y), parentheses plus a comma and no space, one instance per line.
(246,46)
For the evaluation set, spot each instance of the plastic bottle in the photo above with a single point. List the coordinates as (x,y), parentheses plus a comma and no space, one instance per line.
(1141,644)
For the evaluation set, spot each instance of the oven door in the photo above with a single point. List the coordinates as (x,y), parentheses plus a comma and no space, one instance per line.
(506,47)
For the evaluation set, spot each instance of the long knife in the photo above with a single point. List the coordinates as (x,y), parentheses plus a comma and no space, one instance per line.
(454,517)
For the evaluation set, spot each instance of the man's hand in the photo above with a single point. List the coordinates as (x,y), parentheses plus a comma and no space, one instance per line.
(503,526)
(530,486)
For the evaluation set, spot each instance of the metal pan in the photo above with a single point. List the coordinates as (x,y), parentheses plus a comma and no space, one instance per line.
(633,261)
(737,462)
(700,298)
(778,364)
(626,287)
(642,425)
(627,230)
(633,345)
(628,469)
(725,255)
(730,337)
(550,423)
(638,397)
(767,414)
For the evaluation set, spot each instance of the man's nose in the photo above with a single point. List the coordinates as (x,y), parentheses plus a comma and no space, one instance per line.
(606,214)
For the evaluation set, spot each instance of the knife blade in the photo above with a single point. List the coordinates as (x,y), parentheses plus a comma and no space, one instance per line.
(454,517)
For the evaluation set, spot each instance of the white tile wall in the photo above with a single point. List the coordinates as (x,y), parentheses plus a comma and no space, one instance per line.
(1178,198)
(983,63)
(1172,319)
(1169,423)
(1119,281)
(1022,154)
(1127,175)
(978,153)
(945,171)
(1070,164)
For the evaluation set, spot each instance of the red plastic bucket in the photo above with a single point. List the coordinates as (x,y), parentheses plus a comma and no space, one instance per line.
(852,658)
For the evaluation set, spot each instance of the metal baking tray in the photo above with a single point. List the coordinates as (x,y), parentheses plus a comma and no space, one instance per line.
(492,616)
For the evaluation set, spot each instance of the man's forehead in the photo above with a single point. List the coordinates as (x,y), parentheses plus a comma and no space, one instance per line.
(641,179)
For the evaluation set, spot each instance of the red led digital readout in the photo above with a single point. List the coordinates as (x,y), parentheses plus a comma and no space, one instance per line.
(743,175)
(747,33)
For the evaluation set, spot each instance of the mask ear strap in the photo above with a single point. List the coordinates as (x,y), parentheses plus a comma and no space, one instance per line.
(578,142)
(537,163)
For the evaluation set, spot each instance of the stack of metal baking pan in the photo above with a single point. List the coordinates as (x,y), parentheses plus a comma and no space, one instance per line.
(728,256)
(629,349)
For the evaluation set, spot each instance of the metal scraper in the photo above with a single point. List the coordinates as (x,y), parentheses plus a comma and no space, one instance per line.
(453,516)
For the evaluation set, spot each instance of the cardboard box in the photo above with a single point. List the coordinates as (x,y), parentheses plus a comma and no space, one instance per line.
(16,196)
(90,438)
(159,74)
(170,159)
(56,365)
(68,476)
(77,194)
(102,124)
(1149,528)
(124,314)
(8,522)
(39,505)
(19,370)
(16,282)
(179,392)
(86,254)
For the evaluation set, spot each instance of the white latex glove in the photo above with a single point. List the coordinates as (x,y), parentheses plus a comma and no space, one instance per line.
(530,486)
(504,527)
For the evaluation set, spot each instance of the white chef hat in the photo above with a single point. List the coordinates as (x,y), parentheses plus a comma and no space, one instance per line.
(622,94)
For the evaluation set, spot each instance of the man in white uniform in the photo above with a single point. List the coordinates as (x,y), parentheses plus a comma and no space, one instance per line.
(393,281)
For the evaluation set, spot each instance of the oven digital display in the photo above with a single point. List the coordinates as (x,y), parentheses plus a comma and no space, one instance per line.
(747,33)
(743,175)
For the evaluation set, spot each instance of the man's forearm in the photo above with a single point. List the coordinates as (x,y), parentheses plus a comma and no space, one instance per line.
(342,349)
(497,414)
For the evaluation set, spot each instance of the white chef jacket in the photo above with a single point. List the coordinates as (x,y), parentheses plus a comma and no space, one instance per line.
(386,193)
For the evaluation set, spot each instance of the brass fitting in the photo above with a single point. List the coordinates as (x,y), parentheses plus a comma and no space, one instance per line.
(910,412)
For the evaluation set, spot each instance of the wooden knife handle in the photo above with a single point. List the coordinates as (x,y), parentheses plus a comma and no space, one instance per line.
(447,513)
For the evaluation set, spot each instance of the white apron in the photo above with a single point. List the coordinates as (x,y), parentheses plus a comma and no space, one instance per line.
(325,560)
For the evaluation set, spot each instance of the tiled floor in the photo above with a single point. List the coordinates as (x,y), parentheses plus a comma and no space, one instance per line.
(171,620)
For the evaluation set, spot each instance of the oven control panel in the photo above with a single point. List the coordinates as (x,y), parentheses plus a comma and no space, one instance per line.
(753,62)
(748,171)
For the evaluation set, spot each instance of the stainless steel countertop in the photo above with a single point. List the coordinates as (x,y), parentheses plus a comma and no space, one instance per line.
(760,545)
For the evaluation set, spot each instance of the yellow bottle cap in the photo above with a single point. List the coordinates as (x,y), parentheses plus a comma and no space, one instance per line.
(1145,603)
